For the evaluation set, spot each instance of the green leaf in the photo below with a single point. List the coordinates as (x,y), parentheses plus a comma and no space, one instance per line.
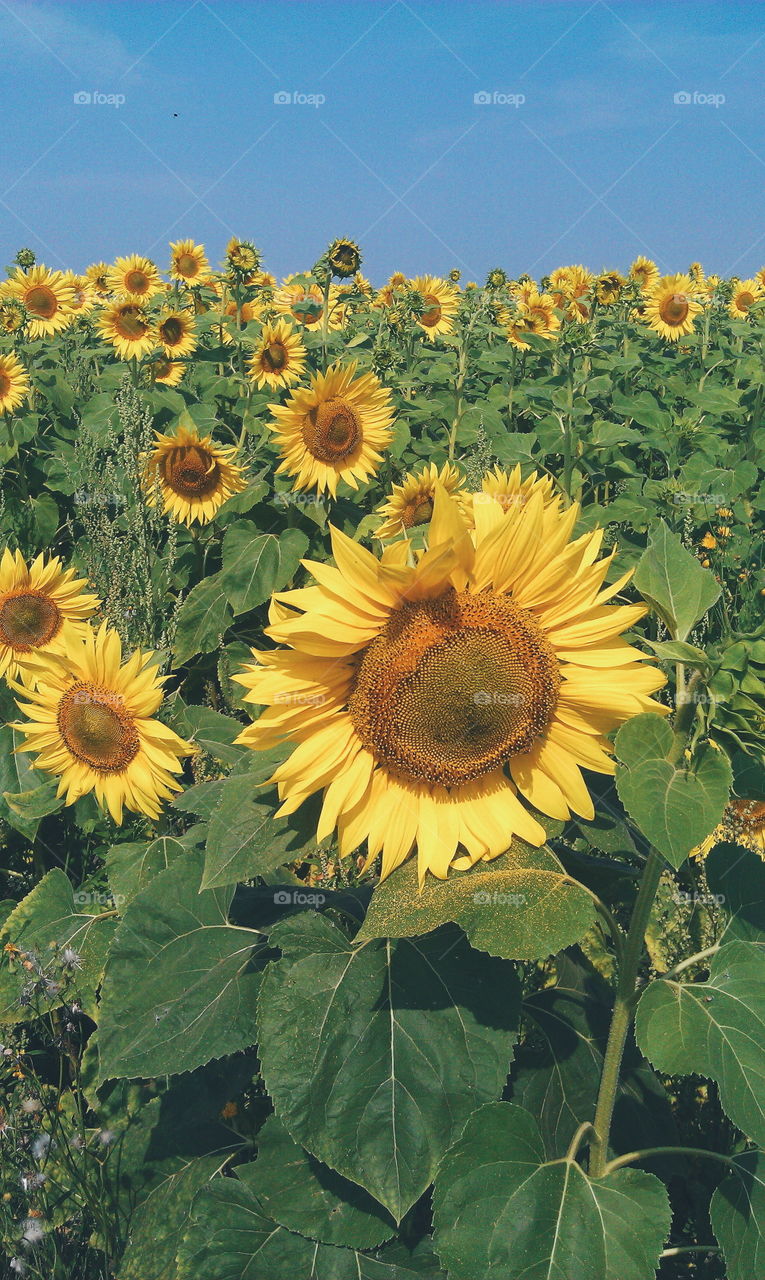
(738,876)
(673,582)
(202,619)
(131,866)
(376,1054)
(17,777)
(256,564)
(302,1194)
(179,989)
(214,733)
(158,1224)
(715,1029)
(675,807)
(46,921)
(737,1213)
(33,805)
(521,906)
(244,838)
(679,651)
(502,1212)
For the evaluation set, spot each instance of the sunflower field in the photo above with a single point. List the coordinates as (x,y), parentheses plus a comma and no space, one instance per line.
(383,773)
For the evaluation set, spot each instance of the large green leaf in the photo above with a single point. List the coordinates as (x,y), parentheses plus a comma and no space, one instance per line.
(521,906)
(179,989)
(130,866)
(50,920)
(19,778)
(231,1238)
(503,1212)
(202,619)
(738,876)
(244,838)
(213,732)
(673,582)
(256,564)
(376,1054)
(302,1194)
(738,1217)
(714,1028)
(158,1224)
(674,806)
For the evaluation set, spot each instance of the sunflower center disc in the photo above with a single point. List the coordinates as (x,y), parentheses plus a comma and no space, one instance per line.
(332,431)
(136,282)
(274,357)
(433,314)
(187,265)
(96,730)
(28,621)
(5,384)
(41,302)
(418,512)
(676,308)
(131,322)
(744,301)
(172,331)
(454,687)
(191,471)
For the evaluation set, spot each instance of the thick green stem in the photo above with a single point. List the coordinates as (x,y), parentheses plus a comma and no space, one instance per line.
(623,1010)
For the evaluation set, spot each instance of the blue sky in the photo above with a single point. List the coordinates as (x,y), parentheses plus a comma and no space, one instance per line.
(582,153)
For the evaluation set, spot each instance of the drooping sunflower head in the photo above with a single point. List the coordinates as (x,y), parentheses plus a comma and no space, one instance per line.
(91,725)
(429,700)
(14,383)
(279,358)
(188,262)
(242,257)
(135,278)
(194,475)
(128,328)
(334,429)
(47,298)
(97,275)
(645,272)
(42,608)
(344,257)
(168,373)
(745,294)
(440,300)
(176,332)
(411,502)
(671,308)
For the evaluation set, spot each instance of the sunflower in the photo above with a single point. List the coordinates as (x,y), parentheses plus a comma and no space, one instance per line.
(570,286)
(14,383)
(509,490)
(279,358)
(97,275)
(176,333)
(441,300)
(90,720)
(47,298)
(670,309)
(128,328)
(42,607)
(188,262)
(241,256)
(168,373)
(83,293)
(344,258)
(536,315)
(423,698)
(13,315)
(608,287)
(333,429)
(745,294)
(743,823)
(135,278)
(195,476)
(645,272)
(411,502)
(291,292)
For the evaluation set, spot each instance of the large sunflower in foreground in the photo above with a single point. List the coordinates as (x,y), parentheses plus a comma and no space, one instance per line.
(441,300)
(135,278)
(47,298)
(42,608)
(428,701)
(195,475)
(128,328)
(90,720)
(334,429)
(670,309)
(14,383)
(411,502)
(279,358)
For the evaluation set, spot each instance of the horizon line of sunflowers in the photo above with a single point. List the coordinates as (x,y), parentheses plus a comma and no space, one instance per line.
(354,639)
